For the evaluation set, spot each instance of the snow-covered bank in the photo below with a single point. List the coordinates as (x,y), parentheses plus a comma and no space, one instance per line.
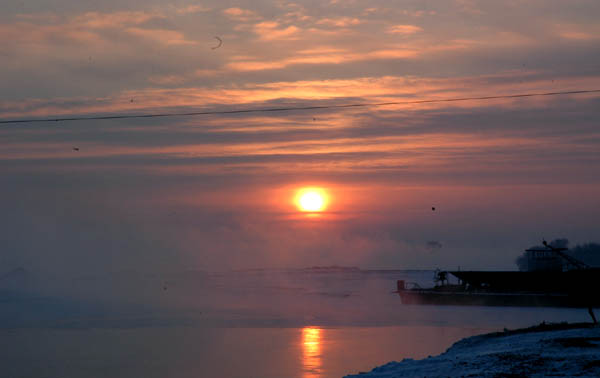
(545,350)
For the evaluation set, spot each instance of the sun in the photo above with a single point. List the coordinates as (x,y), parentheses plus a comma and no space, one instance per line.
(311,199)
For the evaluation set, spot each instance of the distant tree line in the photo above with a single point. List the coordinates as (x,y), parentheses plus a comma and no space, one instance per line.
(589,253)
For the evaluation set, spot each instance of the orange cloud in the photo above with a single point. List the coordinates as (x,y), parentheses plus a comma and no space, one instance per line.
(97,20)
(271,30)
(299,15)
(321,56)
(374,89)
(576,32)
(240,14)
(403,29)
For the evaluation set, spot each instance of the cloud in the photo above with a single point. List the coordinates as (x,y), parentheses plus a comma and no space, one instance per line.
(242,15)
(167,79)
(160,46)
(191,9)
(577,33)
(271,30)
(98,20)
(373,89)
(403,29)
(90,28)
(322,55)
(471,7)
(167,37)
(340,22)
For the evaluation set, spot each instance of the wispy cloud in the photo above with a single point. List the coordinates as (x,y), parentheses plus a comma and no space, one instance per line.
(578,33)
(373,89)
(242,15)
(90,27)
(340,22)
(271,30)
(403,29)
(192,9)
(167,37)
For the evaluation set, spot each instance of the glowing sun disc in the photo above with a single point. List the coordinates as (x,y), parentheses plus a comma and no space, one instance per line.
(311,199)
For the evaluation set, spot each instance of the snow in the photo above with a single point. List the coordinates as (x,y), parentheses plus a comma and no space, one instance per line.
(566,350)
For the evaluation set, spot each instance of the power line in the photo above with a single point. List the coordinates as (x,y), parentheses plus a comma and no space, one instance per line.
(301,108)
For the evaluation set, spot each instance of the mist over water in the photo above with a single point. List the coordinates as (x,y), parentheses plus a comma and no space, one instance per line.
(248,298)
(314,322)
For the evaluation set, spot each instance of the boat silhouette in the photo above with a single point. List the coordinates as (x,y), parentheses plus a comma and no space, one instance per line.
(552,279)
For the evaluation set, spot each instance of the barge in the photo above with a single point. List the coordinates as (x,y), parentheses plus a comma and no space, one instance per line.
(552,279)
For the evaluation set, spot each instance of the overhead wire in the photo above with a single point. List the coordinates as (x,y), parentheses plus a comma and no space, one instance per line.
(293,108)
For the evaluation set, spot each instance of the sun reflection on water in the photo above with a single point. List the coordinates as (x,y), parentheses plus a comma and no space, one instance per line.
(311,352)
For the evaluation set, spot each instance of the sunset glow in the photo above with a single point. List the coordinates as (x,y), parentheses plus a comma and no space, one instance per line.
(311,199)
(251,171)
(317,181)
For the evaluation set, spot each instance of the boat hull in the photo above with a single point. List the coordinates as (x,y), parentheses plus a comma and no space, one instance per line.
(577,288)
(432,297)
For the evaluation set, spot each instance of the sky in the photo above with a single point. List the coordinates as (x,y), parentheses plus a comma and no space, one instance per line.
(216,192)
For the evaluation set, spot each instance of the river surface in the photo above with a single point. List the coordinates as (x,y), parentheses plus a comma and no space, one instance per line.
(259,323)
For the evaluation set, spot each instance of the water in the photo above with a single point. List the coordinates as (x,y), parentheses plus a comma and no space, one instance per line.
(216,352)
(262,323)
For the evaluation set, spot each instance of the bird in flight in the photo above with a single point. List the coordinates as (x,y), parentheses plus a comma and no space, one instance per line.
(220,43)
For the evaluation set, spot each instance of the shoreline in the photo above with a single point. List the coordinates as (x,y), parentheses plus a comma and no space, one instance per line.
(558,349)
